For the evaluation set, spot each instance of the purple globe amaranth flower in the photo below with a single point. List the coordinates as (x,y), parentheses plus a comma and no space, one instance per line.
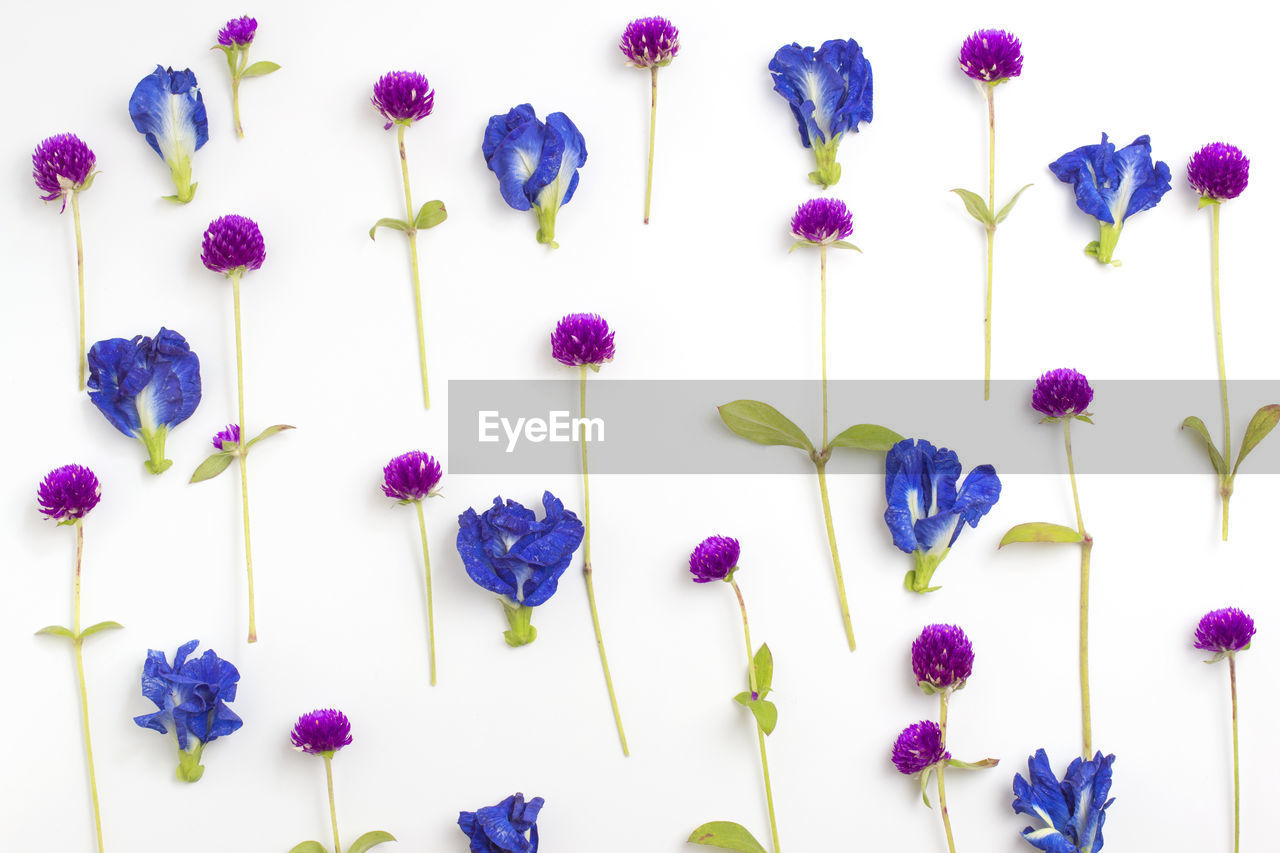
(321,732)
(821,222)
(238,31)
(61,164)
(1225,632)
(582,340)
(1218,171)
(991,56)
(919,747)
(650,42)
(715,559)
(227,438)
(68,493)
(941,658)
(233,243)
(403,97)
(411,476)
(1062,393)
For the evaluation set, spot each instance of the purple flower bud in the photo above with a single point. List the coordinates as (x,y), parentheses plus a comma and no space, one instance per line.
(228,438)
(822,220)
(582,339)
(919,747)
(991,56)
(1218,171)
(403,97)
(321,732)
(1225,630)
(233,242)
(238,32)
(1062,393)
(715,559)
(61,163)
(650,42)
(942,657)
(411,476)
(69,492)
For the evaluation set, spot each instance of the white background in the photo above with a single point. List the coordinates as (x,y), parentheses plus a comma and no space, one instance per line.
(707,291)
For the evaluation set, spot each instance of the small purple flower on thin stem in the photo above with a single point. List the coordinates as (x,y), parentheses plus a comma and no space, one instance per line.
(403,97)
(68,493)
(1062,393)
(326,730)
(1225,631)
(238,32)
(234,40)
(822,221)
(919,747)
(409,478)
(233,244)
(715,559)
(582,340)
(650,43)
(1218,171)
(941,658)
(991,56)
(227,438)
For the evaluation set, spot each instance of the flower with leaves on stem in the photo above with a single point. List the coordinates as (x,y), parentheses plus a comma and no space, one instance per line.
(62,166)
(1073,810)
(1225,632)
(989,58)
(403,97)
(650,43)
(67,494)
(536,163)
(145,387)
(410,478)
(509,827)
(716,558)
(820,223)
(1062,396)
(234,40)
(324,732)
(168,109)
(1220,172)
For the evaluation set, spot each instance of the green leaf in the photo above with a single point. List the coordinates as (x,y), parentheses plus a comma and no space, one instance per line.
(973,765)
(1206,200)
(227,52)
(213,466)
(309,847)
(727,835)
(1214,456)
(976,206)
(88,181)
(388,222)
(743,698)
(267,433)
(1008,208)
(766,714)
(763,424)
(1085,418)
(101,626)
(844,244)
(258,69)
(369,840)
(867,437)
(763,665)
(430,215)
(809,244)
(1040,531)
(925,775)
(1264,420)
(57,630)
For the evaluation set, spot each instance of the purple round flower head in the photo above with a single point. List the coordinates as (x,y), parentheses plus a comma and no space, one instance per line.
(582,339)
(238,31)
(1062,393)
(942,657)
(990,56)
(403,97)
(233,242)
(227,438)
(321,732)
(69,492)
(650,42)
(1225,630)
(1219,171)
(411,476)
(61,163)
(822,221)
(715,559)
(918,747)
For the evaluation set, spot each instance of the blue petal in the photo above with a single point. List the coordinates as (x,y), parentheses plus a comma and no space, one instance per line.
(813,88)
(944,469)
(516,161)
(937,530)
(110,363)
(855,70)
(1042,797)
(1142,183)
(573,155)
(475,553)
(1049,840)
(1090,170)
(500,126)
(978,494)
(495,822)
(168,108)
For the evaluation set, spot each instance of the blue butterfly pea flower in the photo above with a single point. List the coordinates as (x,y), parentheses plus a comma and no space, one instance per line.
(191,696)
(168,109)
(145,387)
(925,511)
(502,828)
(509,552)
(1073,810)
(1113,185)
(536,164)
(829,91)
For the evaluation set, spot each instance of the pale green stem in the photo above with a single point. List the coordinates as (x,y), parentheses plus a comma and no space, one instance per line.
(1086,551)
(755,691)
(944,697)
(1235,745)
(653,129)
(75,215)
(244,457)
(835,553)
(413,258)
(991,232)
(822,255)
(78,642)
(586,563)
(431,619)
(242,60)
(333,808)
(1225,485)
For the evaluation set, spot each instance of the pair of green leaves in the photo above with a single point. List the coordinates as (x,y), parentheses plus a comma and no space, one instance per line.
(765,712)
(429,215)
(1264,420)
(218,462)
(726,835)
(838,244)
(365,842)
(59,631)
(927,773)
(257,69)
(763,424)
(978,209)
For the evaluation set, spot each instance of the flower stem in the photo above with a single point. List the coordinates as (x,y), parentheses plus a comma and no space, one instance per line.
(653,128)
(242,60)
(755,689)
(244,457)
(431,619)
(413,258)
(586,562)
(78,642)
(944,699)
(990,92)
(822,255)
(75,215)
(333,808)
(1225,486)
(1086,551)
(835,553)
(1235,744)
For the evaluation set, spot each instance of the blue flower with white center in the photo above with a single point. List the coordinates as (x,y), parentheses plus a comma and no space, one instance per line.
(1073,810)
(192,697)
(145,387)
(829,91)
(1113,185)
(168,109)
(925,511)
(536,164)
